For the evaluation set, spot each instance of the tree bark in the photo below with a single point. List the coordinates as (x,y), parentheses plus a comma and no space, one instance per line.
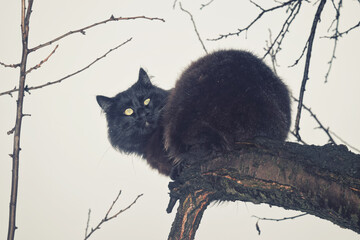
(321,180)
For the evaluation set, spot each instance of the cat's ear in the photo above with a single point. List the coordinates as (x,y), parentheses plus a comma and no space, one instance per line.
(143,77)
(104,102)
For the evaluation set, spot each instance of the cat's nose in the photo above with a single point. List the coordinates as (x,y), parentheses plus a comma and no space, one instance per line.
(141,112)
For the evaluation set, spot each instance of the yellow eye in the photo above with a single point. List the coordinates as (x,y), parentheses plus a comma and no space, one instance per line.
(147,101)
(128,111)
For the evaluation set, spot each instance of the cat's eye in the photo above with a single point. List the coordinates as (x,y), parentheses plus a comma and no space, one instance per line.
(128,111)
(147,101)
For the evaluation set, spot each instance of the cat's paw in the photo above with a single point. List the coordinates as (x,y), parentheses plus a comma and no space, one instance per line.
(176,171)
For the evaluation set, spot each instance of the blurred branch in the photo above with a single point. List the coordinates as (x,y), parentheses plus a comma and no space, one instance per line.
(206,4)
(107,217)
(43,61)
(82,30)
(307,66)
(195,28)
(263,11)
(27,89)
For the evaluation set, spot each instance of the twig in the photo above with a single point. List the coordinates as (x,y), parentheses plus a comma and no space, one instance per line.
(68,76)
(44,60)
(272,53)
(240,30)
(87,223)
(343,141)
(275,219)
(82,30)
(174,5)
(10,65)
(206,4)
(107,217)
(285,29)
(337,19)
(298,139)
(195,28)
(321,126)
(307,66)
(340,34)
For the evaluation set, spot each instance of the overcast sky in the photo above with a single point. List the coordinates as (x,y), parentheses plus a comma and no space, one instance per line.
(67,164)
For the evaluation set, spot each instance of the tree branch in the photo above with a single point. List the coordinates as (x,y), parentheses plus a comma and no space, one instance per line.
(195,28)
(82,30)
(320,180)
(307,66)
(10,65)
(285,29)
(107,217)
(337,20)
(263,11)
(27,89)
(206,4)
(274,219)
(321,126)
(42,61)
(25,19)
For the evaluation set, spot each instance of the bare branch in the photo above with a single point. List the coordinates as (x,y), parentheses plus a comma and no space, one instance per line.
(25,20)
(337,20)
(307,66)
(240,30)
(298,139)
(206,4)
(340,34)
(343,141)
(107,217)
(87,223)
(285,29)
(82,30)
(195,28)
(10,65)
(174,5)
(43,61)
(68,76)
(321,126)
(275,219)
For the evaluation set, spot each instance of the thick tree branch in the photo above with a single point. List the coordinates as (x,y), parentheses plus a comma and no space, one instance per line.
(82,30)
(320,180)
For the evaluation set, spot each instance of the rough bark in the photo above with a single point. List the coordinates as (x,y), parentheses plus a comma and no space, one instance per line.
(321,180)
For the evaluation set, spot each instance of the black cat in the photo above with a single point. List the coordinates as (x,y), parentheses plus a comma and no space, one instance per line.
(224,97)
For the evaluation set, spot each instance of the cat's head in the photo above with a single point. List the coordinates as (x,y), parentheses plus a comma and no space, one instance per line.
(133,115)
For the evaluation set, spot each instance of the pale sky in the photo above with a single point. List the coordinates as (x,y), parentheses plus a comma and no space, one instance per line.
(67,164)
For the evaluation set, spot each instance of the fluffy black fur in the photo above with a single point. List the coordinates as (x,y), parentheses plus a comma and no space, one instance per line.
(225,97)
